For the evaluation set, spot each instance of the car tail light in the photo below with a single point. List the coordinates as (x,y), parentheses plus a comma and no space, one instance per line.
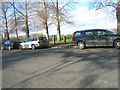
(38,42)
(73,35)
(12,43)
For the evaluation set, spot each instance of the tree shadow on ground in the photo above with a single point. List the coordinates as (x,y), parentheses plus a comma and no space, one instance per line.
(92,56)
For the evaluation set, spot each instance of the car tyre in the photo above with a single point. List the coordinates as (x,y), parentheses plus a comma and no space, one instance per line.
(117,44)
(81,45)
(9,48)
(1,47)
(33,47)
(20,47)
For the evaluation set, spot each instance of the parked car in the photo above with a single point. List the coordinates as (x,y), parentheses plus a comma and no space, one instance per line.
(34,42)
(10,44)
(95,37)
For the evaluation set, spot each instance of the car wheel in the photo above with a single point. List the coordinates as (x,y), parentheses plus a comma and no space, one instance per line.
(33,47)
(47,46)
(1,47)
(81,45)
(117,44)
(9,48)
(20,47)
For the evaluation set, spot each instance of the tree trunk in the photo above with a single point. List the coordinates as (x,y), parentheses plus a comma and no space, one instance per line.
(6,23)
(58,23)
(15,22)
(45,21)
(26,20)
(118,17)
(47,35)
(6,27)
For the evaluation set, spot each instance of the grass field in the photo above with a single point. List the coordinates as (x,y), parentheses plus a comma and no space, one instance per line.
(68,39)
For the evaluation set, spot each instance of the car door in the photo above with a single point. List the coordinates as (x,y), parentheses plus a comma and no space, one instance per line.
(89,38)
(102,38)
(34,41)
(27,43)
(7,43)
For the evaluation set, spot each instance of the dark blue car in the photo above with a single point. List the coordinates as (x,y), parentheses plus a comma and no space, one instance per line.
(10,44)
(95,37)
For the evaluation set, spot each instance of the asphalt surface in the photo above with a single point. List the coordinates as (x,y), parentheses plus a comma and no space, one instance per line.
(60,68)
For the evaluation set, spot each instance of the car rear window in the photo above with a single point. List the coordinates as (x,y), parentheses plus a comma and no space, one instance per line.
(42,38)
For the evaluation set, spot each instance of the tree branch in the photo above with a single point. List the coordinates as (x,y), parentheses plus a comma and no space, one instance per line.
(105,6)
(53,3)
(17,9)
(21,6)
(65,5)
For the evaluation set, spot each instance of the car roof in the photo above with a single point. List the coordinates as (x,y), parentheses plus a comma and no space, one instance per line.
(36,37)
(92,30)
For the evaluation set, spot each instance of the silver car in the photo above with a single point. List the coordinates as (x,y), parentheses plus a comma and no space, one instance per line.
(35,42)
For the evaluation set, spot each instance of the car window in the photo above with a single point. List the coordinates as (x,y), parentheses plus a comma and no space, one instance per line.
(34,39)
(89,33)
(111,33)
(77,34)
(31,39)
(27,40)
(7,42)
(101,33)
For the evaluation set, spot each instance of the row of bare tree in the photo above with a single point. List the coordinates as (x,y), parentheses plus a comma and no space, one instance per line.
(25,16)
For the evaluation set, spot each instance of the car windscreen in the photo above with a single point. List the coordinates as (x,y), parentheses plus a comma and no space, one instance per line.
(110,32)
(27,40)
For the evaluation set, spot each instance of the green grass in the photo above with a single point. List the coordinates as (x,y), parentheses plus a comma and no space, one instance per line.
(22,40)
(68,39)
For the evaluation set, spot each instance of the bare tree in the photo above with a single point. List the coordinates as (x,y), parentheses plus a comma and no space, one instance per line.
(26,19)
(15,20)
(5,16)
(16,23)
(99,4)
(23,6)
(45,21)
(57,21)
(59,16)
(41,19)
(8,22)
(118,16)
